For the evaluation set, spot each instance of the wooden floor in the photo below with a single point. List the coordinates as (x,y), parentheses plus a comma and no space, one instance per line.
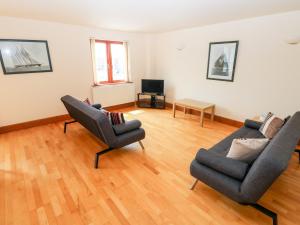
(47,177)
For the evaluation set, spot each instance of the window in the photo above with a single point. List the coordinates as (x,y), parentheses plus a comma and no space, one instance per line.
(110,59)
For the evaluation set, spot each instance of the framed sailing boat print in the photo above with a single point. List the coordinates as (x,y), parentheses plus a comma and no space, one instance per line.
(24,56)
(222,60)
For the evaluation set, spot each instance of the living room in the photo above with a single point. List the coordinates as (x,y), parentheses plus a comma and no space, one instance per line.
(146,165)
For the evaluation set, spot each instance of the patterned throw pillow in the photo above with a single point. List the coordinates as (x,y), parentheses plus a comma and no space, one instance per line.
(87,101)
(271,126)
(247,149)
(115,118)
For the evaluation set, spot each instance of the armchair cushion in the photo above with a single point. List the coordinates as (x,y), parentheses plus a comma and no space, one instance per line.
(271,126)
(252,124)
(127,127)
(97,106)
(247,149)
(230,167)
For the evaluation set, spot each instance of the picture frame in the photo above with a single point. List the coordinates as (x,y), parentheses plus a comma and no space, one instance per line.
(19,56)
(222,58)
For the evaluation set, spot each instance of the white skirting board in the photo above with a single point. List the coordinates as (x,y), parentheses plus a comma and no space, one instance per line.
(115,94)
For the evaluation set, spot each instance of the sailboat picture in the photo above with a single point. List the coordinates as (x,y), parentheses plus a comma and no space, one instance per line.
(24,56)
(222,60)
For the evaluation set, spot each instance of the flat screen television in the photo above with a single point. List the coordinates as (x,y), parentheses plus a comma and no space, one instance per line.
(153,86)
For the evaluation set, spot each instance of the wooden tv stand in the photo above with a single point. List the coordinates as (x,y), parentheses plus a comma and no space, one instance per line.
(151,100)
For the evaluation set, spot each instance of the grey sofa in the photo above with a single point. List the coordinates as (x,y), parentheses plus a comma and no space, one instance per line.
(240,181)
(98,124)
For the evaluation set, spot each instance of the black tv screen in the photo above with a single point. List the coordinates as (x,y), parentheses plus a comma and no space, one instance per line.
(152,86)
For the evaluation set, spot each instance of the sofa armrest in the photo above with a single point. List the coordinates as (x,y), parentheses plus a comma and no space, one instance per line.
(127,127)
(97,106)
(252,124)
(230,167)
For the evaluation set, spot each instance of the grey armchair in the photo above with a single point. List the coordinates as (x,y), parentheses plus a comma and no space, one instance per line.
(242,182)
(98,124)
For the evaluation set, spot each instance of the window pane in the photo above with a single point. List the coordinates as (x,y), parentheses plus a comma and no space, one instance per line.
(101,62)
(118,62)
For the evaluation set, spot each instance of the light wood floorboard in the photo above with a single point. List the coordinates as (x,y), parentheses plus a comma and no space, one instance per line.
(47,177)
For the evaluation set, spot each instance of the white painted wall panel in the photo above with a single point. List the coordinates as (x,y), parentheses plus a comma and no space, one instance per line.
(267,74)
(109,95)
(27,97)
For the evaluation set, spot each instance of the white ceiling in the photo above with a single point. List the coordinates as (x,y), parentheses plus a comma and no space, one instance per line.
(144,15)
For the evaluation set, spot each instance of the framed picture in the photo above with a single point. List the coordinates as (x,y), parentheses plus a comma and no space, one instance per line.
(221,60)
(24,56)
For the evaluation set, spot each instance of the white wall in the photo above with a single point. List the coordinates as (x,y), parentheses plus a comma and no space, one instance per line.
(267,76)
(28,97)
(267,73)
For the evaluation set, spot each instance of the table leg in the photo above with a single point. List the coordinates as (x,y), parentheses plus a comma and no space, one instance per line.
(212,116)
(174,108)
(201,117)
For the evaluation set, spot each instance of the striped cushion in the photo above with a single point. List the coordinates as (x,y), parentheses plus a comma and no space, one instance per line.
(115,118)
(271,126)
(268,116)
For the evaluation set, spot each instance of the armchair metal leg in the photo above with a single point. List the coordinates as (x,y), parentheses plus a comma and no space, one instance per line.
(298,151)
(141,144)
(266,212)
(101,153)
(66,123)
(194,185)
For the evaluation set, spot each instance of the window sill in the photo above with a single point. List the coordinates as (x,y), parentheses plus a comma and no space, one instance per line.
(110,84)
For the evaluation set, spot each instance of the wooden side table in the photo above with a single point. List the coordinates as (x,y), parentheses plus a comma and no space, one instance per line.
(195,105)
